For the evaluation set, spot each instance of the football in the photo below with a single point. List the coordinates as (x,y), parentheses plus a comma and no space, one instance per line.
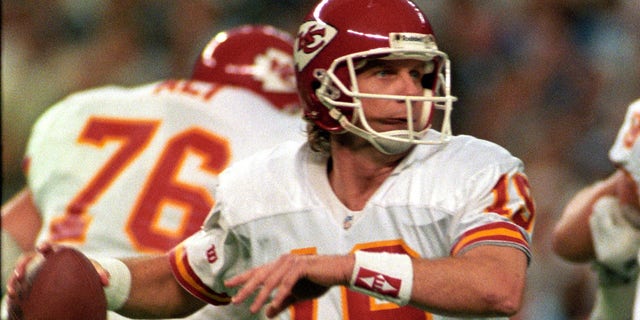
(62,285)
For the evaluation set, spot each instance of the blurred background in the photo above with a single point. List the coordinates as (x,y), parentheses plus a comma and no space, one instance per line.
(550,80)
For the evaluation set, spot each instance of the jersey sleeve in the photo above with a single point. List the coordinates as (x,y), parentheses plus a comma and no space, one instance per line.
(500,210)
(625,151)
(203,261)
(627,134)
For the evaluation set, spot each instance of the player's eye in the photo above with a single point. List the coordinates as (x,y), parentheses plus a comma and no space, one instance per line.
(416,74)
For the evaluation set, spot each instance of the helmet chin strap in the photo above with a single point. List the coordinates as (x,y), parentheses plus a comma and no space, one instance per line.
(383,143)
(389,146)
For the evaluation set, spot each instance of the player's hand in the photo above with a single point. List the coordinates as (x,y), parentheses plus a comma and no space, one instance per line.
(30,260)
(27,261)
(289,279)
(626,188)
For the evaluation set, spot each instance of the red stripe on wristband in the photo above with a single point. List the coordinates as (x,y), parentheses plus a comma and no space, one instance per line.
(377,282)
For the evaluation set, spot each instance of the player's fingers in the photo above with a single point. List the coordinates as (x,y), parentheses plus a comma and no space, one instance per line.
(260,300)
(12,286)
(239,279)
(45,248)
(289,270)
(273,311)
(247,282)
(22,266)
(266,279)
(285,287)
(250,281)
(103,273)
(20,271)
(272,280)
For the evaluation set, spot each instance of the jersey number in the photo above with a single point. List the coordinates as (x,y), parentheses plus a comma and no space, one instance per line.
(523,214)
(356,305)
(161,188)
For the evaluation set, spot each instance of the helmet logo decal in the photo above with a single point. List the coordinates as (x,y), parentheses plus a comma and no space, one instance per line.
(275,70)
(272,68)
(312,38)
(309,41)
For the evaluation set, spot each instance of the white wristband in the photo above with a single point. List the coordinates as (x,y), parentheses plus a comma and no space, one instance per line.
(387,276)
(117,292)
(615,239)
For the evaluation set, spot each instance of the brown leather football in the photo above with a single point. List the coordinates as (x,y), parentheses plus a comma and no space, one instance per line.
(62,286)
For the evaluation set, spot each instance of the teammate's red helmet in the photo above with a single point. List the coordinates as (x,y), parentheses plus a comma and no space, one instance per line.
(333,42)
(256,57)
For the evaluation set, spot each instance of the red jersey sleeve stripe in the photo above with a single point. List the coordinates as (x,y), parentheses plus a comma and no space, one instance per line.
(188,279)
(496,232)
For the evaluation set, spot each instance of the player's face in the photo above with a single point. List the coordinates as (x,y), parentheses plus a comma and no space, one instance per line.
(394,77)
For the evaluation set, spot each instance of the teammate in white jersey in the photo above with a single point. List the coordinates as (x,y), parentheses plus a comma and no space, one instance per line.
(377,216)
(122,171)
(601,224)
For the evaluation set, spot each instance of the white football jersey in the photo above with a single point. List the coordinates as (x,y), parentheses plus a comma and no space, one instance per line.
(626,149)
(122,171)
(440,201)
(626,152)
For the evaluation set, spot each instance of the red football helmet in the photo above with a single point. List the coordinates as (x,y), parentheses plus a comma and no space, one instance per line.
(332,43)
(256,57)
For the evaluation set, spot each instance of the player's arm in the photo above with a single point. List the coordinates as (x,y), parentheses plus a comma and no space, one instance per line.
(21,219)
(153,293)
(485,281)
(141,287)
(595,227)
(21,224)
(571,237)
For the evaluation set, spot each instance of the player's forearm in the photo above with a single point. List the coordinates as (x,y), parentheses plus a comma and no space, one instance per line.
(486,281)
(571,237)
(21,223)
(154,291)
(21,219)
(10,254)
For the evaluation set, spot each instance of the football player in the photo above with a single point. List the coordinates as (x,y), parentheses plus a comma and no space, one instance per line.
(377,216)
(601,225)
(121,171)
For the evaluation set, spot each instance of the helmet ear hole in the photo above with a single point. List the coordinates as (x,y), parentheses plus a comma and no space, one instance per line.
(315,85)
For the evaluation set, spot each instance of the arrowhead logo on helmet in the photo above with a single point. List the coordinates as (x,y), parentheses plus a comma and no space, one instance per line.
(313,36)
(275,71)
